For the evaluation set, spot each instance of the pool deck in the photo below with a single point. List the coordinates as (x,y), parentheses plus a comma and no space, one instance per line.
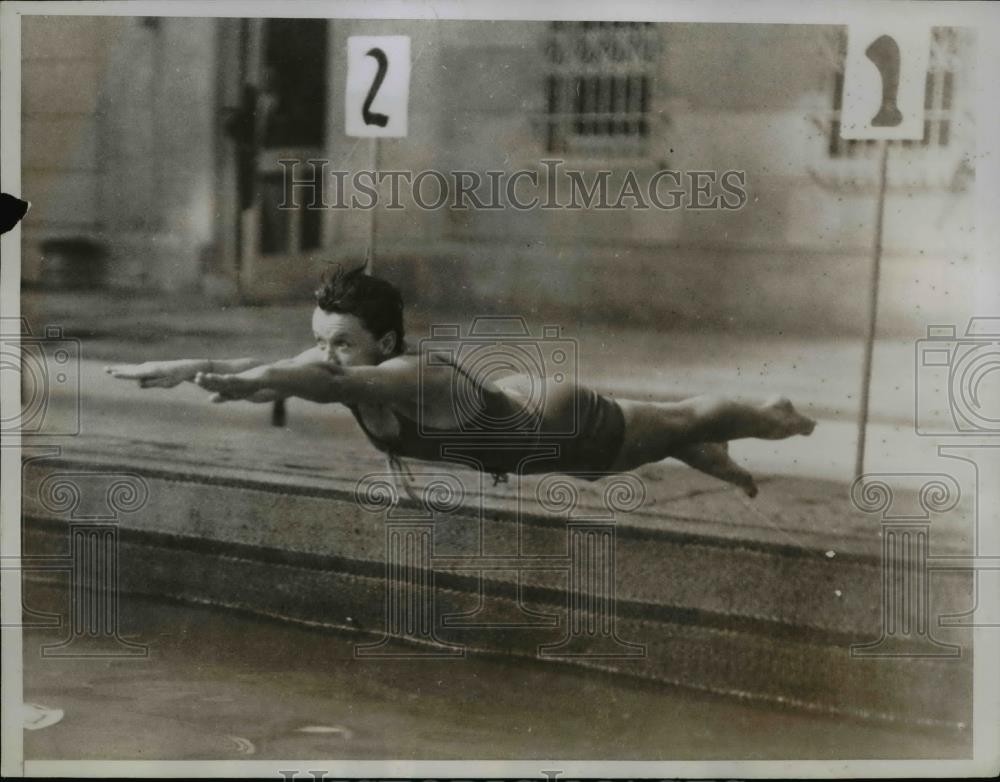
(759,600)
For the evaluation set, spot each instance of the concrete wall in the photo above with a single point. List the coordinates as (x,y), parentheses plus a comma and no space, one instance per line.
(119,142)
(752,98)
(62,70)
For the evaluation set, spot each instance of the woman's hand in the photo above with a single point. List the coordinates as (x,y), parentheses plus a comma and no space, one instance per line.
(158,374)
(250,385)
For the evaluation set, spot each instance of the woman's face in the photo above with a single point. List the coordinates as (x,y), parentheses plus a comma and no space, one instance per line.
(346,342)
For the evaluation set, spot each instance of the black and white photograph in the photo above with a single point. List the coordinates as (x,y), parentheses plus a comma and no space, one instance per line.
(420,389)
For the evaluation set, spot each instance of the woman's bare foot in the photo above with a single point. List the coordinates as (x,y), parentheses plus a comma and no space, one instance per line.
(785,420)
(713,459)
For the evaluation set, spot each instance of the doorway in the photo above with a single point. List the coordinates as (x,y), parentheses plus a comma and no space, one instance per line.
(277,111)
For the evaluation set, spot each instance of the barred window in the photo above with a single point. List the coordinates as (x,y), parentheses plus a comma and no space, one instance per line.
(939,99)
(599,86)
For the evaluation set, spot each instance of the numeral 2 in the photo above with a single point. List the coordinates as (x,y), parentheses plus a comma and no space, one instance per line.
(373,117)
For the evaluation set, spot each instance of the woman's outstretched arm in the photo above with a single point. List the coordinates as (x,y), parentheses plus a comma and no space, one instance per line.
(392,382)
(167,374)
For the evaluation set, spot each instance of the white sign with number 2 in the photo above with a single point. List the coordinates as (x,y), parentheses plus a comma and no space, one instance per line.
(377,95)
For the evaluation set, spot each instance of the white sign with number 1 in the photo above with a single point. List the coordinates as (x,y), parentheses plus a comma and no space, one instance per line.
(378,85)
(884,78)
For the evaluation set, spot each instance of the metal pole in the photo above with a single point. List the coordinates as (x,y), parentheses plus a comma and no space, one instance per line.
(859,462)
(373,222)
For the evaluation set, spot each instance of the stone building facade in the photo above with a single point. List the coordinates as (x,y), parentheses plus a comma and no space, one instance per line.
(160,139)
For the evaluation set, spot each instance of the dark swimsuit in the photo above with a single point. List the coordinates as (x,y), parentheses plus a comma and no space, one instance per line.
(504,439)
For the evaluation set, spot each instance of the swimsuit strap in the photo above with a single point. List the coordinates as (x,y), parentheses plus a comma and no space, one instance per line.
(403,475)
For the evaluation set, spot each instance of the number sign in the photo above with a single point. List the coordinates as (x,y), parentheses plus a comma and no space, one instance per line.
(378,85)
(884,79)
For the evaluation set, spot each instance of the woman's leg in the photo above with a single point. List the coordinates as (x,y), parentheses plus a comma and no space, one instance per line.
(694,431)
(657,430)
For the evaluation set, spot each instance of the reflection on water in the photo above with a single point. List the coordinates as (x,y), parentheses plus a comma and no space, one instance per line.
(221,686)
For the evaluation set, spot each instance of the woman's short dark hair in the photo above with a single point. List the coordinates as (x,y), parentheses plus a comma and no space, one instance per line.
(377,303)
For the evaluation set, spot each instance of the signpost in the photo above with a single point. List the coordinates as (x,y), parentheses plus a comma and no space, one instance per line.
(885,75)
(376,100)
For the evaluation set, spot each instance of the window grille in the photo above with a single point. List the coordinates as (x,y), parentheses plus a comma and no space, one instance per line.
(600,86)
